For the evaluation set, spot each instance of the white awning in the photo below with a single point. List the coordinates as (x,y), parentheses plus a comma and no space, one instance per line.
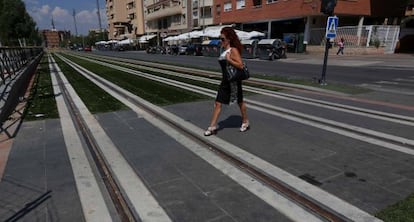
(101,43)
(125,42)
(145,38)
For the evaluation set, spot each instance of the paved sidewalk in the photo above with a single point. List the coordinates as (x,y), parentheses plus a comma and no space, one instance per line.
(385,60)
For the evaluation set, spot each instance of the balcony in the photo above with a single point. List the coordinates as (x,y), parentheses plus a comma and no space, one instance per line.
(165,12)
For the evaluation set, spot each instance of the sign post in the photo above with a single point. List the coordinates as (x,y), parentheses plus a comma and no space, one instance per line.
(331,25)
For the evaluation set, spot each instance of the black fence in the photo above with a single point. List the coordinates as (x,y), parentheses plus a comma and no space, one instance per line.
(17,66)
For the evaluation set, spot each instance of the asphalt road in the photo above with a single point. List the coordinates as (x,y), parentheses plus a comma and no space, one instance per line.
(354,70)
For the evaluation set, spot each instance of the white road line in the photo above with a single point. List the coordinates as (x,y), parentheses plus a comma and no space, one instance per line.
(390,90)
(404,80)
(277,201)
(92,201)
(137,193)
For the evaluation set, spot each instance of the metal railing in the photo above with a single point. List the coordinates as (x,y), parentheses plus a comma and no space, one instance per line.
(14,59)
(17,66)
(361,37)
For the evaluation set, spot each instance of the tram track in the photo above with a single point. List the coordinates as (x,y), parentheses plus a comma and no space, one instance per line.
(240,158)
(375,137)
(205,76)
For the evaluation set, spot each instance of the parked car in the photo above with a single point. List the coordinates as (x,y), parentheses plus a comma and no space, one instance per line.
(182,49)
(173,50)
(194,49)
(87,49)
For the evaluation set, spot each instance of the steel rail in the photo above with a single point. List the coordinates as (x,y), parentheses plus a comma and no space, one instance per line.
(294,195)
(119,201)
(407,120)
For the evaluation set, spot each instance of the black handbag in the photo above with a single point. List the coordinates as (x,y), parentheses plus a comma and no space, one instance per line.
(234,74)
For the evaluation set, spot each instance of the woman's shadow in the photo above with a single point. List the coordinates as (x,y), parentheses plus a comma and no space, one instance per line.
(233,121)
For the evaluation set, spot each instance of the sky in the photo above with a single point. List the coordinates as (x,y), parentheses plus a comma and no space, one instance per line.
(42,12)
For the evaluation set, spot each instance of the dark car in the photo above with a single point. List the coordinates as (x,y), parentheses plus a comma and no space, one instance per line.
(194,49)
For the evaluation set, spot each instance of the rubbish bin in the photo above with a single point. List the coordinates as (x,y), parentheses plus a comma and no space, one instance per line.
(271,49)
(205,47)
(301,47)
(215,46)
(249,49)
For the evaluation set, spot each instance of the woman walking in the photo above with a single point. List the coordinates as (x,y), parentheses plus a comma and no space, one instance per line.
(229,92)
(341,46)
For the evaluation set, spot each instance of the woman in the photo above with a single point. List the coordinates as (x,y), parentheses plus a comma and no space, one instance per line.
(229,91)
(341,47)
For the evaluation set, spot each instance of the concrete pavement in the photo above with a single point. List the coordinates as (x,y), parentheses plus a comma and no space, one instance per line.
(183,184)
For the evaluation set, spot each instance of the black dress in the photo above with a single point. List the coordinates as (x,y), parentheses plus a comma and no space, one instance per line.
(224,93)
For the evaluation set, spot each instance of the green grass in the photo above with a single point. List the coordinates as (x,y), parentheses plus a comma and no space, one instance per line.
(96,99)
(337,87)
(401,212)
(152,91)
(41,103)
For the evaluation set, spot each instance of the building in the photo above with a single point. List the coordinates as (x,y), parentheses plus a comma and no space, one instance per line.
(134,18)
(172,17)
(277,18)
(125,18)
(53,38)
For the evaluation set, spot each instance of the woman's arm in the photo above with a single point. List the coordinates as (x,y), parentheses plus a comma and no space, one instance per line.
(234,58)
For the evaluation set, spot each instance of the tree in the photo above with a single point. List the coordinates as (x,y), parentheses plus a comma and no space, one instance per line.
(16,24)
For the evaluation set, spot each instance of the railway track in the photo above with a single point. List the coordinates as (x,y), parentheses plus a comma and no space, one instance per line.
(389,141)
(316,204)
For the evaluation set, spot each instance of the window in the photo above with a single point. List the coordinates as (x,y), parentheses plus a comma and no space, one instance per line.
(205,12)
(271,1)
(227,6)
(132,16)
(240,4)
(257,3)
(218,10)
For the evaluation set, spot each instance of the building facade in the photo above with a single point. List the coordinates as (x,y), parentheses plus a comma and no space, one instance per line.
(276,18)
(125,18)
(172,17)
(53,38)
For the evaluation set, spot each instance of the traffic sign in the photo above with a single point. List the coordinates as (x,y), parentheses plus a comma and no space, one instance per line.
(331,26)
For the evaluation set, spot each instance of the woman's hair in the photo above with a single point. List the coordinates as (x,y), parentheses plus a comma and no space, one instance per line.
(232,37)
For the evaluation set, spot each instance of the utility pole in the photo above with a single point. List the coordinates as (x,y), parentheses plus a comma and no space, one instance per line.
(74,20)
(99,18)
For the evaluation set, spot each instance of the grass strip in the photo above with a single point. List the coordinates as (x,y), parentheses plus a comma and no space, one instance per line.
(402,211)
(96,99)
(41,103)
(333,86)
(186,80)
(150,90)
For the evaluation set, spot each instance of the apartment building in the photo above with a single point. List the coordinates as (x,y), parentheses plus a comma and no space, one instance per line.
(53,38)
(125,18)
(172,17)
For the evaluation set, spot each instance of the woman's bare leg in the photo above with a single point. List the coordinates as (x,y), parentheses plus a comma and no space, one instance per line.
(216,114)
(243,111)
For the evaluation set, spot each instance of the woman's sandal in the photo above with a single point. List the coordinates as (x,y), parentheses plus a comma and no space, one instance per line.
(210,131)
(245,126)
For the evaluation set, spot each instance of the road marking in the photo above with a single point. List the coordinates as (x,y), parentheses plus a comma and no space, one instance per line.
(381,88)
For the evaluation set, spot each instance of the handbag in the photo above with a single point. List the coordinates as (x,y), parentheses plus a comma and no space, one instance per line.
(234,74)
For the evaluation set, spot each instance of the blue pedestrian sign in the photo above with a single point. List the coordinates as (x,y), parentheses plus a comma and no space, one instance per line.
(331,26)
